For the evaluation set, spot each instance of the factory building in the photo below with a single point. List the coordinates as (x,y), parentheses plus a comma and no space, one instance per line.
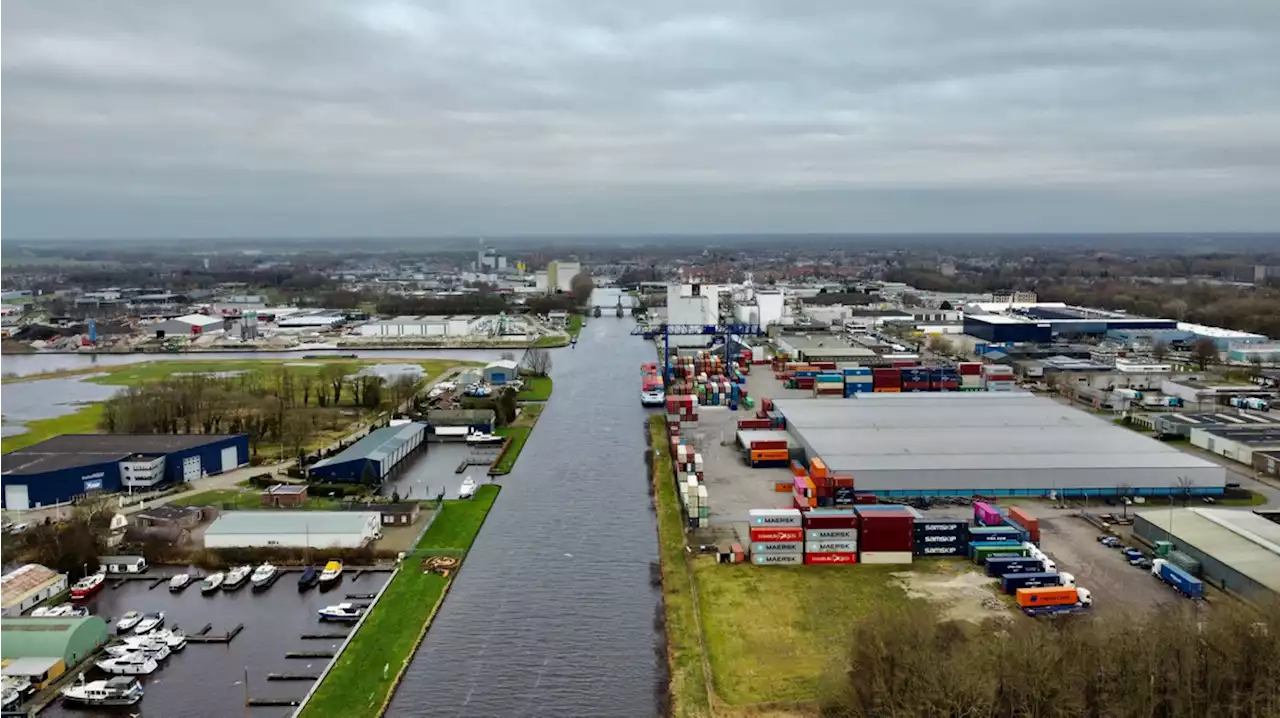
(1237,443)
(824,347)
(58,470)
(1222,338)
(424,326)
(311,320)
(1178,426)
(23,588)
(999,328)
(560,274)
(379,452)
(996,444)
(42,649)
(696,304)
(1237,550)
(190,325)
(289,529)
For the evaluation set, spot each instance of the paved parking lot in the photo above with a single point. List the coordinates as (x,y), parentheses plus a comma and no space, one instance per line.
(1117,587)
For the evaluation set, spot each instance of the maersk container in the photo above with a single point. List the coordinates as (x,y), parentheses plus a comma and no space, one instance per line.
(1000,566)
(831,547)
(1011,582)
(831,534)
(1185,583)
(776,547)
(777,559)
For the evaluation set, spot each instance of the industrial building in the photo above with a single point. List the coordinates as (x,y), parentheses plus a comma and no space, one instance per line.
(23,588)
(824,347)
(290,529)
(311,320)
(1237,550)
(696,304)
(378,452)
(1237,443)
(65,640)
(58,470)
(457,423)
(999,328)
(1179,426)
(560,274)
(502,371)
(190,325)
(995,444)
(424,326)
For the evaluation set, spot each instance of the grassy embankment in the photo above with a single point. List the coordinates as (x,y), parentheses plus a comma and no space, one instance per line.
(85,420)
(358,685)
(575,324)
(536,388)
(519,432)
(771,635)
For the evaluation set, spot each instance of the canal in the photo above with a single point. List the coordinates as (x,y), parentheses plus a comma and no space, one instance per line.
(553,613)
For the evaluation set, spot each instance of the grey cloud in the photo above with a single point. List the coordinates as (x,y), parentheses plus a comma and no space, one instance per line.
(300,118)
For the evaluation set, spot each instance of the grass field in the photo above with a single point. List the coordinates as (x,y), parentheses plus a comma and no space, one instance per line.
(684,647)
(1255,499)
(519,435)
(575,324)
(536,388)
(83,421)
(143,372)
(357,685)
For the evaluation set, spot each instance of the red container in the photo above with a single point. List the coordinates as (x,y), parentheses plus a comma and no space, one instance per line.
(970,368)
(886,531)
(823,364)
(771,445)
(865,499)
(1026,521)
(804,382)
(886,378)
(772,535)
(830,558)
(830,522)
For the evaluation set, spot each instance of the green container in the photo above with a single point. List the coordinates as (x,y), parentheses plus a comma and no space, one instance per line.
(1163,548)
(980,555)
(749,403)
(1185,562)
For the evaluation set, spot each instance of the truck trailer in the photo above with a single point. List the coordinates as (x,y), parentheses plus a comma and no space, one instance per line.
(1182,582)
(1011,582)
(1053,599)
(1014,564)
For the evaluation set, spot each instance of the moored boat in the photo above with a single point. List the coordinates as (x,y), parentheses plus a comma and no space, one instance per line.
(481,438)
(236,577)
(468,488)
(263,575)
(341,612)
(174,638)
(134,663)
(128,620)
(87,586)
(111,692)
(140,644)
(212,582)
(310,577)
(331,574)
(149,622)
(179,582)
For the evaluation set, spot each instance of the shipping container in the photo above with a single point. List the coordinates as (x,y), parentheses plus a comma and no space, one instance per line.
(936,550)
(843,496)
(776,546)
(1180,580)
(777,559)
(975,543)
(934,526)
(995,533)
(1026,521)
(886,531)
(1000,566)
(981,554)
(884,557)
(775,517)
(769,535)
(831,546)
(831,534)
(985,514)
(830,558)
(956,539)
(1011,582)
(1046,596)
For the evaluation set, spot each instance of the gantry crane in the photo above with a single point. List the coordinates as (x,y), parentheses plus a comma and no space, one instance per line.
(714,330)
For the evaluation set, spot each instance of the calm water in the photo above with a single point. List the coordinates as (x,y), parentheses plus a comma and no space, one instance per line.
(207,680)
(553,613)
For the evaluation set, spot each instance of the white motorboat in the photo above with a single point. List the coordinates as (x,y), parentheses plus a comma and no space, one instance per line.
(16,690)
(111,692)
(174,638)
(468,488)
(331,573)
(140,644)
(482,438)
(212,582)
(179,582)
(149,622)
(263,575)
(341,612)
(134,663)
(236,577)
(127,621)
(653,398)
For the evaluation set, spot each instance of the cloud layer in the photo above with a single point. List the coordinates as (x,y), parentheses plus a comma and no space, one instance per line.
(398,118)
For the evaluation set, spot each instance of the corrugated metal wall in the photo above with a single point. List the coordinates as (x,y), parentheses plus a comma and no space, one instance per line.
(1214,571)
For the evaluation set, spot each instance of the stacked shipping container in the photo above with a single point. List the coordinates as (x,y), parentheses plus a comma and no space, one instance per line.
(886,380)
(777,537)
(831,536)
(857,380)
(984,514)
(970,375)
(940,538)
(682,408)
(886,534)
(997,377)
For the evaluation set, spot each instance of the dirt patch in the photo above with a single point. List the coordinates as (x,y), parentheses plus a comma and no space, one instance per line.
(964,595)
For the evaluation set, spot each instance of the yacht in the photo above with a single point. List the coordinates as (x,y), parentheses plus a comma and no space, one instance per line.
(341,612)
(481,438)
(87,586)
(16,690)
(263,575)
(111,692)
(653,397)
(127,621)
(149,622)
(331,574)
(468,488)
(236,577)
(310,577)
(139,644)
(174,638)
(179,582)
(130,664)
(212,582)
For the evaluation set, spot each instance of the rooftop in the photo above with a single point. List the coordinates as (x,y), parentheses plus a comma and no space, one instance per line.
(1219,419)
(1246,542)
(234,523)
(71,450)
(1252,435)
(24,580)
(376,446)
(199,320)
(1218,332)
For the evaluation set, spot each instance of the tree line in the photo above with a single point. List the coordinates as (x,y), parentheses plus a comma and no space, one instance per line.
(1173,663)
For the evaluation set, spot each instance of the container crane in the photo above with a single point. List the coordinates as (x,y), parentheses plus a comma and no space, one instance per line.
(666,331)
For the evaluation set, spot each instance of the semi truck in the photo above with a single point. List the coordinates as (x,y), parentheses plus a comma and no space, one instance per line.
(1014,564)
(1250,402)
(1011,582)
(1053,599)
(1182,582)
(980,554)
(1036,553)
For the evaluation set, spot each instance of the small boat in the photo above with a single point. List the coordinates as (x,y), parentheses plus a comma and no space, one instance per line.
(263,575)
(76,611)
(310,577)
(331,574)
(127,621)
(468,488)
(111,692)
(480,438)
(64,609)
(341,612)
(130,664)
(174,638)
(149,622)
(212,582)
(87,586)
(236,577)
(653,398)
(140,644)
(179,582)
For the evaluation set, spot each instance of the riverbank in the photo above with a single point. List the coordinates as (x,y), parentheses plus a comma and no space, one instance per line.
(544,342)
(519,433)
(359,682)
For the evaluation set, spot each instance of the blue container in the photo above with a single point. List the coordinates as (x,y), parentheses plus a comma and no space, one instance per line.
(1185,583)
(1000,566)
(828,379)
(857,371)
(1011,582)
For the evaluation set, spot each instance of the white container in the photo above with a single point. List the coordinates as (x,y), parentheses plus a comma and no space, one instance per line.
(885,557)
(777,559)
(777,547)
(831,534)
(776,517)
(832,547)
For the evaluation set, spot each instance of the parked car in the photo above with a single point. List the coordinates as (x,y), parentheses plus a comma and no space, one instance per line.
(1143,563)
(1131,554)
(1109,541)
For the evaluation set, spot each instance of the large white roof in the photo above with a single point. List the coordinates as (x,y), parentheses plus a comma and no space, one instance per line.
(200,320)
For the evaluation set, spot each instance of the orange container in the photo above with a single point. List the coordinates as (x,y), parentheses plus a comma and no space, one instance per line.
(1047,596)
(769,455)
(797,469)
(817,468)
(888,389)
(782,488)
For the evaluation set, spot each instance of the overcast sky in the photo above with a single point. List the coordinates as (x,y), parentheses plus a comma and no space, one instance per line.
(310,118)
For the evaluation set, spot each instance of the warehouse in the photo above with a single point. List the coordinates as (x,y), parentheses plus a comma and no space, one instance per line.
(58,470)
(289,529)
(823,347)
(1237,550)
(502,371)
(23,588)
(999,328)
(1001,444)
(423,326)
(1237,443)
(187,326)
(376,455)
(1179,426)
(69,640)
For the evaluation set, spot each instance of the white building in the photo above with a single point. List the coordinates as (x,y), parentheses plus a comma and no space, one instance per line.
(763,307)
(425,326)
(693,304)
(311,321)
(288,529)
(560,274)
(26,586)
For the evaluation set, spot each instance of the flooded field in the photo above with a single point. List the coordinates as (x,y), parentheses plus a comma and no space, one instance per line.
(207,680)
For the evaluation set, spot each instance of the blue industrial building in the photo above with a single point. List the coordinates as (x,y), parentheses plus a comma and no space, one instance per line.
(503,371)
(999,328)
(72,465)
(377,454)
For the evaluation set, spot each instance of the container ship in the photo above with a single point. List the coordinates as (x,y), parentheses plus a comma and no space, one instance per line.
(651,389)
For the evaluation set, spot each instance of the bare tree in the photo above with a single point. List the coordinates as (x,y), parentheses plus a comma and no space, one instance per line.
(336,376)
(940,345)
(1204,352)
(537,361)
(1159,351)
(1177,308)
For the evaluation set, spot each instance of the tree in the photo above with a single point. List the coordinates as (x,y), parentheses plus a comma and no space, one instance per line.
(1177,308)
(336,376)
(1159,351)
(945,306)
(1204,352)
(939,344)
(505,406)
(537,361)
(580,287)
(402,389)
